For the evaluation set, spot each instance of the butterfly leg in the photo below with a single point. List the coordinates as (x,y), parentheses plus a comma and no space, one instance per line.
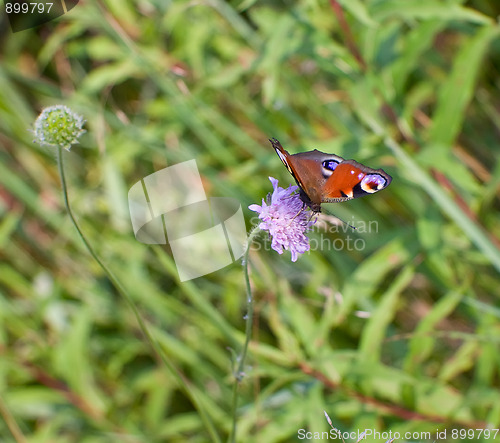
(311,217)
(296,215)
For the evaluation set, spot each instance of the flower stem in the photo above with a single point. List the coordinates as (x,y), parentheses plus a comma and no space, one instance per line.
(239,372)
(183,383)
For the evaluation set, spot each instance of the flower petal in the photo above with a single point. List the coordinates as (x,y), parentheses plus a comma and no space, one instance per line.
(286,219)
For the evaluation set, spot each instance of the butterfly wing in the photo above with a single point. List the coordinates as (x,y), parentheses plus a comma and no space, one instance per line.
(325,178)
(307,170)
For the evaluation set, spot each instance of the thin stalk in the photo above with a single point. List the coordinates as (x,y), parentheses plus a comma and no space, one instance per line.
(11,423)
(117,284)
(239,372)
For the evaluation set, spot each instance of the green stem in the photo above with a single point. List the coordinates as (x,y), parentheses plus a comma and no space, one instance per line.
(183,383)
(239,372)
(11,423)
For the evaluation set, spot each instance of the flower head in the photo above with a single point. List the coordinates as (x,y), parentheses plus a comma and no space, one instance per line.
(284,217)
(58,126)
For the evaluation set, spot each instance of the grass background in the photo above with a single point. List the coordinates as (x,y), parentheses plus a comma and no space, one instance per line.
(402,335)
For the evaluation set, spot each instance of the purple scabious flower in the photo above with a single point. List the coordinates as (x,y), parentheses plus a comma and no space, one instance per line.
(283,216)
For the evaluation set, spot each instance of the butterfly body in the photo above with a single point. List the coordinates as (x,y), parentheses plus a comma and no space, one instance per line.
(325,178)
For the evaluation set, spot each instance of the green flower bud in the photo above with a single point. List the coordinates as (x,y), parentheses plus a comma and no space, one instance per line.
(58,126)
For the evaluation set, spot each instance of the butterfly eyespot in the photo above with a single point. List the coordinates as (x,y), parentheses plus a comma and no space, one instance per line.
(330,164)
(328,167)
(373,182)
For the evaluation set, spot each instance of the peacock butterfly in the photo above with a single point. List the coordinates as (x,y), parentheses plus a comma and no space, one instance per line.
(326,178)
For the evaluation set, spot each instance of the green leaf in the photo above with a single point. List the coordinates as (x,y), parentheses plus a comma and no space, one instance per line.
(458,88)
(375,330)
(423,342)
(426,10)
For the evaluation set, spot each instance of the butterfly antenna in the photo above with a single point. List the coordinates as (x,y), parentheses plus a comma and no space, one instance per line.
(345,223)
(351,226)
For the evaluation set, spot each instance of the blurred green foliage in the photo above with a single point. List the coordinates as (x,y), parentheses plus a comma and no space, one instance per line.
(400,334)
